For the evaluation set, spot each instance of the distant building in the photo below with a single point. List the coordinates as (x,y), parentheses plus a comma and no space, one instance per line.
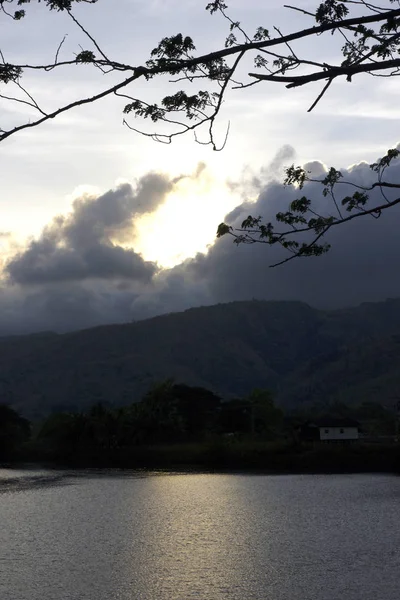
(330,430)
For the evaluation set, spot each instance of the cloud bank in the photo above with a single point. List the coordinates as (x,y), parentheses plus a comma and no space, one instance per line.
(83,269)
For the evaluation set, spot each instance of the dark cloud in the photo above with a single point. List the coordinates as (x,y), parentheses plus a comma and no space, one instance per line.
(173,290)
(361,266)
(45,262)
(63,306)
(87,243)
(77,274)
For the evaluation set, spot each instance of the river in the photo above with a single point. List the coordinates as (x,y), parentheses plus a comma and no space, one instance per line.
(112,535)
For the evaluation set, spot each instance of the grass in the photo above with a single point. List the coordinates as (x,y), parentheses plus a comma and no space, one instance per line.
(271,457)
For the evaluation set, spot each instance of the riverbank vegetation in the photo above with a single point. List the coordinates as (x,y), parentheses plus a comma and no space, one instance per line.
(176,425)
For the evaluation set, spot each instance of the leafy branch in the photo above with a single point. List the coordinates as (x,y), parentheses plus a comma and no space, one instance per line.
(369,43)
(175,55)
(304,220)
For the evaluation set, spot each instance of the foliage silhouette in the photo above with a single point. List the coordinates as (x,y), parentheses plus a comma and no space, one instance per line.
(14,432)
(148,435)
(369,43)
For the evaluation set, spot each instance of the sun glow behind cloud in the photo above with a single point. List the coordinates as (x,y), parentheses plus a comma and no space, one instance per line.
(187,222)
(176,217)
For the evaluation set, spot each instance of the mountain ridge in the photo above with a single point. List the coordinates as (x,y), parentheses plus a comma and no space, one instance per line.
(304,355)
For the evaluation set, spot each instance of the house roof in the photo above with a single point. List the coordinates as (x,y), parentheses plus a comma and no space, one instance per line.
(333,422)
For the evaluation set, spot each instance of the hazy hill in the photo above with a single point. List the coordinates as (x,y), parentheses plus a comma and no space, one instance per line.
(303,354)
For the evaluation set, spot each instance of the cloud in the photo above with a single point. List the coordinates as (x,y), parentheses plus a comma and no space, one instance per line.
(282,159)
(88,242)
(361,266)
(173,290)
(79,272)
(251,183)
(63,306)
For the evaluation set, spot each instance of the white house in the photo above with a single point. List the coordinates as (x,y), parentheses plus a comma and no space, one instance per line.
(330,430)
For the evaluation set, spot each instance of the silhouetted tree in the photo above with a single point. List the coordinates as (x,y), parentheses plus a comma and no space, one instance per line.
(235,416)
(62,435)
(172,412)
(198,409)
(14,431)
(255,415)
(265,417)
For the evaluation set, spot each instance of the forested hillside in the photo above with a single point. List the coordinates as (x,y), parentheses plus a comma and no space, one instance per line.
(303,355)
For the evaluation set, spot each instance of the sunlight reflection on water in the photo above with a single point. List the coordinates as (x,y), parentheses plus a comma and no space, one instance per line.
(131,536)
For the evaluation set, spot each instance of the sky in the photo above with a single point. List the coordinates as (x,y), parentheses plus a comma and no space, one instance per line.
(102,225)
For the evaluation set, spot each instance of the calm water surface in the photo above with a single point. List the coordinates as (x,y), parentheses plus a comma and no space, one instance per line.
(128,536)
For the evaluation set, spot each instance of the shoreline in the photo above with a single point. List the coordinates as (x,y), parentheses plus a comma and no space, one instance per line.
(248,457)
